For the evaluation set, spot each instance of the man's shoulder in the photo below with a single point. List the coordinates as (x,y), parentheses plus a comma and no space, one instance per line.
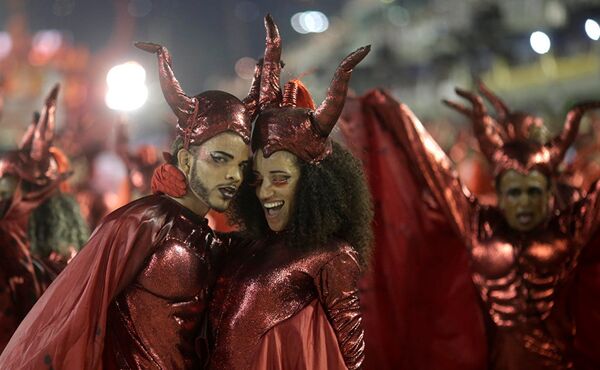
(151,206)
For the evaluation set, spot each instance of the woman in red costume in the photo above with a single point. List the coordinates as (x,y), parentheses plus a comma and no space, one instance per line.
(289,299)
(29,176)
(134,297)
(523,256)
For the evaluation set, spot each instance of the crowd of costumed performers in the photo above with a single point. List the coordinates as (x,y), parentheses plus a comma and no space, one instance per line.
(379,251)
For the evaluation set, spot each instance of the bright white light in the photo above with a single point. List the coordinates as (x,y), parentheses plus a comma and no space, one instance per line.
(126,74)
(5,44)
(592,28)
(310,22)
(540,42)
(296,23)
(126,88)
(47,42)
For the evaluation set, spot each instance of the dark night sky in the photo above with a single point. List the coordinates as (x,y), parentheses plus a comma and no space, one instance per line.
(203,36)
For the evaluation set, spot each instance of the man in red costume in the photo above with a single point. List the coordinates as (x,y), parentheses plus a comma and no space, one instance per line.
(134,297)
(28,176)
(461,285)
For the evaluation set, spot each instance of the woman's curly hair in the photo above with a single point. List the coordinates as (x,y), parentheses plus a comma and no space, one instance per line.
(56,225)
(332,201)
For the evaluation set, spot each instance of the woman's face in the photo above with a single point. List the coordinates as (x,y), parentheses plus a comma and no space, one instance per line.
(276,179)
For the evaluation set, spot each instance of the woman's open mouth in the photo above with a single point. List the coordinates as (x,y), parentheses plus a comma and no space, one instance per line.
(272,208)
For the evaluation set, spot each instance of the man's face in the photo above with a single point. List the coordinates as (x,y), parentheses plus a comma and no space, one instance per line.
(276,181)
(215,169)
(524,199)
(8,186)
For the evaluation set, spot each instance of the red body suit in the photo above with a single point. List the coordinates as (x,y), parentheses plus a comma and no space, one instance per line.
(133,298)
(278,308)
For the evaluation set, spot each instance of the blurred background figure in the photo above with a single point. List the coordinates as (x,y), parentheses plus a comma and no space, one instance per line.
(41,228)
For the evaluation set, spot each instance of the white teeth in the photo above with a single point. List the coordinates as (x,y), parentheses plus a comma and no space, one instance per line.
(273,204)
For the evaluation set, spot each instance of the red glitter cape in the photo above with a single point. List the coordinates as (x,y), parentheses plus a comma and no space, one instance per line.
(66,327)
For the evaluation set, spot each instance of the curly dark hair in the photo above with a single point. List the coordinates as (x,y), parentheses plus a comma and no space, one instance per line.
(332,201)
(55,225)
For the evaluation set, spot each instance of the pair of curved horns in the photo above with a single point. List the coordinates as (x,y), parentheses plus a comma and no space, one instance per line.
(328,112)
(490,137)
(181,104)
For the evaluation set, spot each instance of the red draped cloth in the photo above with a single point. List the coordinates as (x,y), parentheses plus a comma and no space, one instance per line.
(66,328)
(420,308)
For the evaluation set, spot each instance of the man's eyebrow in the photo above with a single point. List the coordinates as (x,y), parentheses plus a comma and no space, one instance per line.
(222,153)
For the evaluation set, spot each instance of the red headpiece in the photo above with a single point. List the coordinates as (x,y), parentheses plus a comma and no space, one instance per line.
(207,114)
(506,142)
(34,160)
(282,124)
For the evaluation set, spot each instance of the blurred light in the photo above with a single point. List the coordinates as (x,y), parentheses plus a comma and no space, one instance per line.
(47,42)
(296,23)
(310,22)
(126,88)
(398,15)
(5,44)
(556,13)
(125,74)
(109,172)
(246,11)
(592,28)
(387,1)
(139,8)
(244,68)
(540,42)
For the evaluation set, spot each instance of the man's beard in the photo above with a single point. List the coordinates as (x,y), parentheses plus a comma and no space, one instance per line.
(198,186)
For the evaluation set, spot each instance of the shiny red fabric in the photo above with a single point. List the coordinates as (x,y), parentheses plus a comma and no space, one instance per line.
(264,284)
(70,324)
(419,307)
(304,341)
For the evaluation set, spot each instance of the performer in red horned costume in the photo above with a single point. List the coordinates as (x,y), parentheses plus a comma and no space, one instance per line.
(534,305)
(134,297)
(289,300)
(28,177)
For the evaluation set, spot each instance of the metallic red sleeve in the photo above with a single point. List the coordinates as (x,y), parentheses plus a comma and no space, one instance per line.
(337,284)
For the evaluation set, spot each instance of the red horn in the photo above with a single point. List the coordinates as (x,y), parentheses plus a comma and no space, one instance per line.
(181,104)
(327,114)
(270,88)
(563,141)
(43,135)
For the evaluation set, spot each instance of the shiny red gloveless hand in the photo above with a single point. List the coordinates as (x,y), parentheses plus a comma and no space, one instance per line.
(168,179)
